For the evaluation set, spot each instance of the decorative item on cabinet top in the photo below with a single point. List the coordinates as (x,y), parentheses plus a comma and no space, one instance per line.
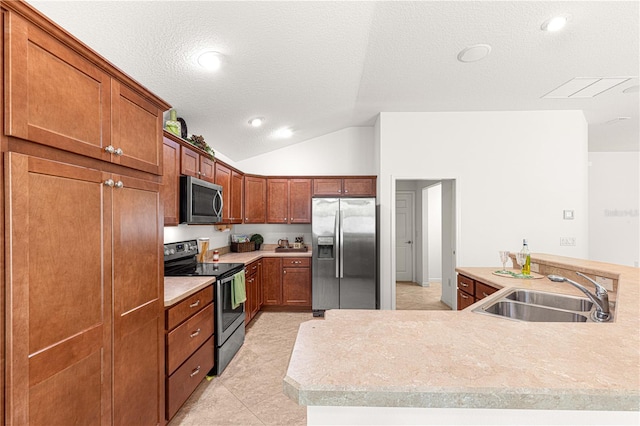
(178,127)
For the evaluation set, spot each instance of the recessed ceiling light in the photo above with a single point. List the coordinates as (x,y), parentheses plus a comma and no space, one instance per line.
(283,133)
(210,60)
(632,89)
(555,24)
(256,122)
(474,53)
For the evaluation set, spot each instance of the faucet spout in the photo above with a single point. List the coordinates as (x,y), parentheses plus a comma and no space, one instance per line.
(600,298)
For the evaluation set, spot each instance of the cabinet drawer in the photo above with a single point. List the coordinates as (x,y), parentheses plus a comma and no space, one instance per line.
(182,383)
(182,341)
(252,268)
(189,306)
(296,262)
(466,284)
(482,290)
(464,300)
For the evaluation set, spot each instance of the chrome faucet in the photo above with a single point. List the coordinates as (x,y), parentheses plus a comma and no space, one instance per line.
(600,299)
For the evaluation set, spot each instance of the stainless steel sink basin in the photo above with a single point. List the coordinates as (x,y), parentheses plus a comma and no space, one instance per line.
(533,313)
(539,306)
(551,300)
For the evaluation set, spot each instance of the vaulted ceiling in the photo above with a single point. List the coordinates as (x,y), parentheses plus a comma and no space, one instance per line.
(318,67)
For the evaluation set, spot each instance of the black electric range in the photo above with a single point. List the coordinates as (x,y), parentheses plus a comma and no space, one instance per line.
(180,260)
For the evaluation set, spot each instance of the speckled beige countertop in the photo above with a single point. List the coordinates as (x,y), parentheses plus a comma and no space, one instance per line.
(461,359)
(179,288)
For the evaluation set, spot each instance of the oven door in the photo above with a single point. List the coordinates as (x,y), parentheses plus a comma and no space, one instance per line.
(227,319)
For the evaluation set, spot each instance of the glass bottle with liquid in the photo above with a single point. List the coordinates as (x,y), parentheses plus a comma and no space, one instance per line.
(526,268)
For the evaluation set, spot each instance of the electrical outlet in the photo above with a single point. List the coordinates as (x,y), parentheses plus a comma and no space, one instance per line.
(567,241)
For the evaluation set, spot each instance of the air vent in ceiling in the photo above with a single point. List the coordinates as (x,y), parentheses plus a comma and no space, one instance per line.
(585,87)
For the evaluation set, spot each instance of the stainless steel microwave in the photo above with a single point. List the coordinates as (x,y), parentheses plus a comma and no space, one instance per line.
(200,201)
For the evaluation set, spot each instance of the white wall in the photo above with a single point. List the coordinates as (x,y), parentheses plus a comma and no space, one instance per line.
(614,188)
(346,152)
(514,174)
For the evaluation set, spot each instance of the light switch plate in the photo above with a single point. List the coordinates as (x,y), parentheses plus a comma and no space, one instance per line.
(567,214)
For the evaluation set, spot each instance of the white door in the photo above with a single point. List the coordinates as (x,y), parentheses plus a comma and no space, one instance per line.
(404,236)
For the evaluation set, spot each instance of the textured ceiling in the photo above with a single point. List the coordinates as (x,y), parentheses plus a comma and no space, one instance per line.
(322,66)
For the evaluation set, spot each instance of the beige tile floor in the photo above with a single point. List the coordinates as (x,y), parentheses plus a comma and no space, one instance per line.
(249,390)
(411,296)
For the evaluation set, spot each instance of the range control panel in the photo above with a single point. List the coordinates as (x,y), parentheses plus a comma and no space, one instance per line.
(173,251)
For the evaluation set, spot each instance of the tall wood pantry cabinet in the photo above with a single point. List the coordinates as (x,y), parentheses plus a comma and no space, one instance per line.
(83,287)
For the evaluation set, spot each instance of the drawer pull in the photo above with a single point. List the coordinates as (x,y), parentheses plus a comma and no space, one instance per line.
(464,285)
(255,267)
(194,372)
(464,296)
(195,333)
(485,294)
(194,304)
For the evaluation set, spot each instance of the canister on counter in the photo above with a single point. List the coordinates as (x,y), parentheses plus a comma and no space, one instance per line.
(216,255)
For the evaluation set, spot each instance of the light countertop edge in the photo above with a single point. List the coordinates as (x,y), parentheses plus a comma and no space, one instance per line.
(460,359)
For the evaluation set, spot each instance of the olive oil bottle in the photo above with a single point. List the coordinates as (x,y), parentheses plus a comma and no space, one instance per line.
(526,269)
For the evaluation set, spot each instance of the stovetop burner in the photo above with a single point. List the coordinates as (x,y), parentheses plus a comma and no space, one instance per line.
(180,261)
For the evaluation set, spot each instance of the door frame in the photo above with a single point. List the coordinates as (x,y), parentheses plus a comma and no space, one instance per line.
(452,257)
(413,230)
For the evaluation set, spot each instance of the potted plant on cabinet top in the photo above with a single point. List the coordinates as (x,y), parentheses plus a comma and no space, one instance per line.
(257,239)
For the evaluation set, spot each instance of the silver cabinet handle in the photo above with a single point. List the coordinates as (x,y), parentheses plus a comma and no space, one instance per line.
(195,333)
(464,285)
(284,272)
(118,151)
(485,294)
(194,304)
(110,149)
(109,182)
(194,372)
(464,296)
(119,184)
(346,190)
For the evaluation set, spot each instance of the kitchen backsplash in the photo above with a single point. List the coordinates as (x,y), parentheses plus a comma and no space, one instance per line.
(270,232)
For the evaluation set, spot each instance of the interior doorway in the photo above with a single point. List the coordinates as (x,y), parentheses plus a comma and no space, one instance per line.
(432,282)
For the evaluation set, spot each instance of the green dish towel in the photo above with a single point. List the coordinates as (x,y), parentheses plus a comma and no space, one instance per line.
(238,291)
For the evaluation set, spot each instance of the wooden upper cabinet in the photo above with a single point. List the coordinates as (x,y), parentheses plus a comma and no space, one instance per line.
(359,187)
(54,96)
(299,200)
(345,187)
(327,186)
(232,192)
(277,200)
(255,199)
(194,164)
(170,189)
(236,199)
(136,131)
(289,200)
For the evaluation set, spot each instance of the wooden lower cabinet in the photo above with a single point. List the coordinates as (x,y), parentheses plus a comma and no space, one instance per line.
(253,281)
(287,282)
(470,291)
(189,347)
(79,325)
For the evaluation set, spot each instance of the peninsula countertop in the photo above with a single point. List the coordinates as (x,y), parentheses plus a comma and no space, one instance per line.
(461,359)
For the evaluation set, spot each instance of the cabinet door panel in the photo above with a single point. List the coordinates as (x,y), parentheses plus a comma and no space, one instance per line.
(299,200)
(296,286)
(170,189)
(356,187)
(138,294)
(236,199)
(58,335)
(329,186)
(136,130)
(272,281)
(189,162)
(54,96)
(277,200)
(223,178)
(255,197)
(207,169)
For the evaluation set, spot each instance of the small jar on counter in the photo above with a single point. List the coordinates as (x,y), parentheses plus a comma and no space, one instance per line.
(216,255)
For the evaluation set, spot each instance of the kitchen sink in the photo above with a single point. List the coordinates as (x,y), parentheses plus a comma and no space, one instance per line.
(551,300)
(539,306)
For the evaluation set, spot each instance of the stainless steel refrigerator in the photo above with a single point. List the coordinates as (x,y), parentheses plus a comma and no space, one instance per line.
(344,254)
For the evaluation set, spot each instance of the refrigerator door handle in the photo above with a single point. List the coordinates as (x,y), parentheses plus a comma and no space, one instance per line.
(341,245)
(335,236)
